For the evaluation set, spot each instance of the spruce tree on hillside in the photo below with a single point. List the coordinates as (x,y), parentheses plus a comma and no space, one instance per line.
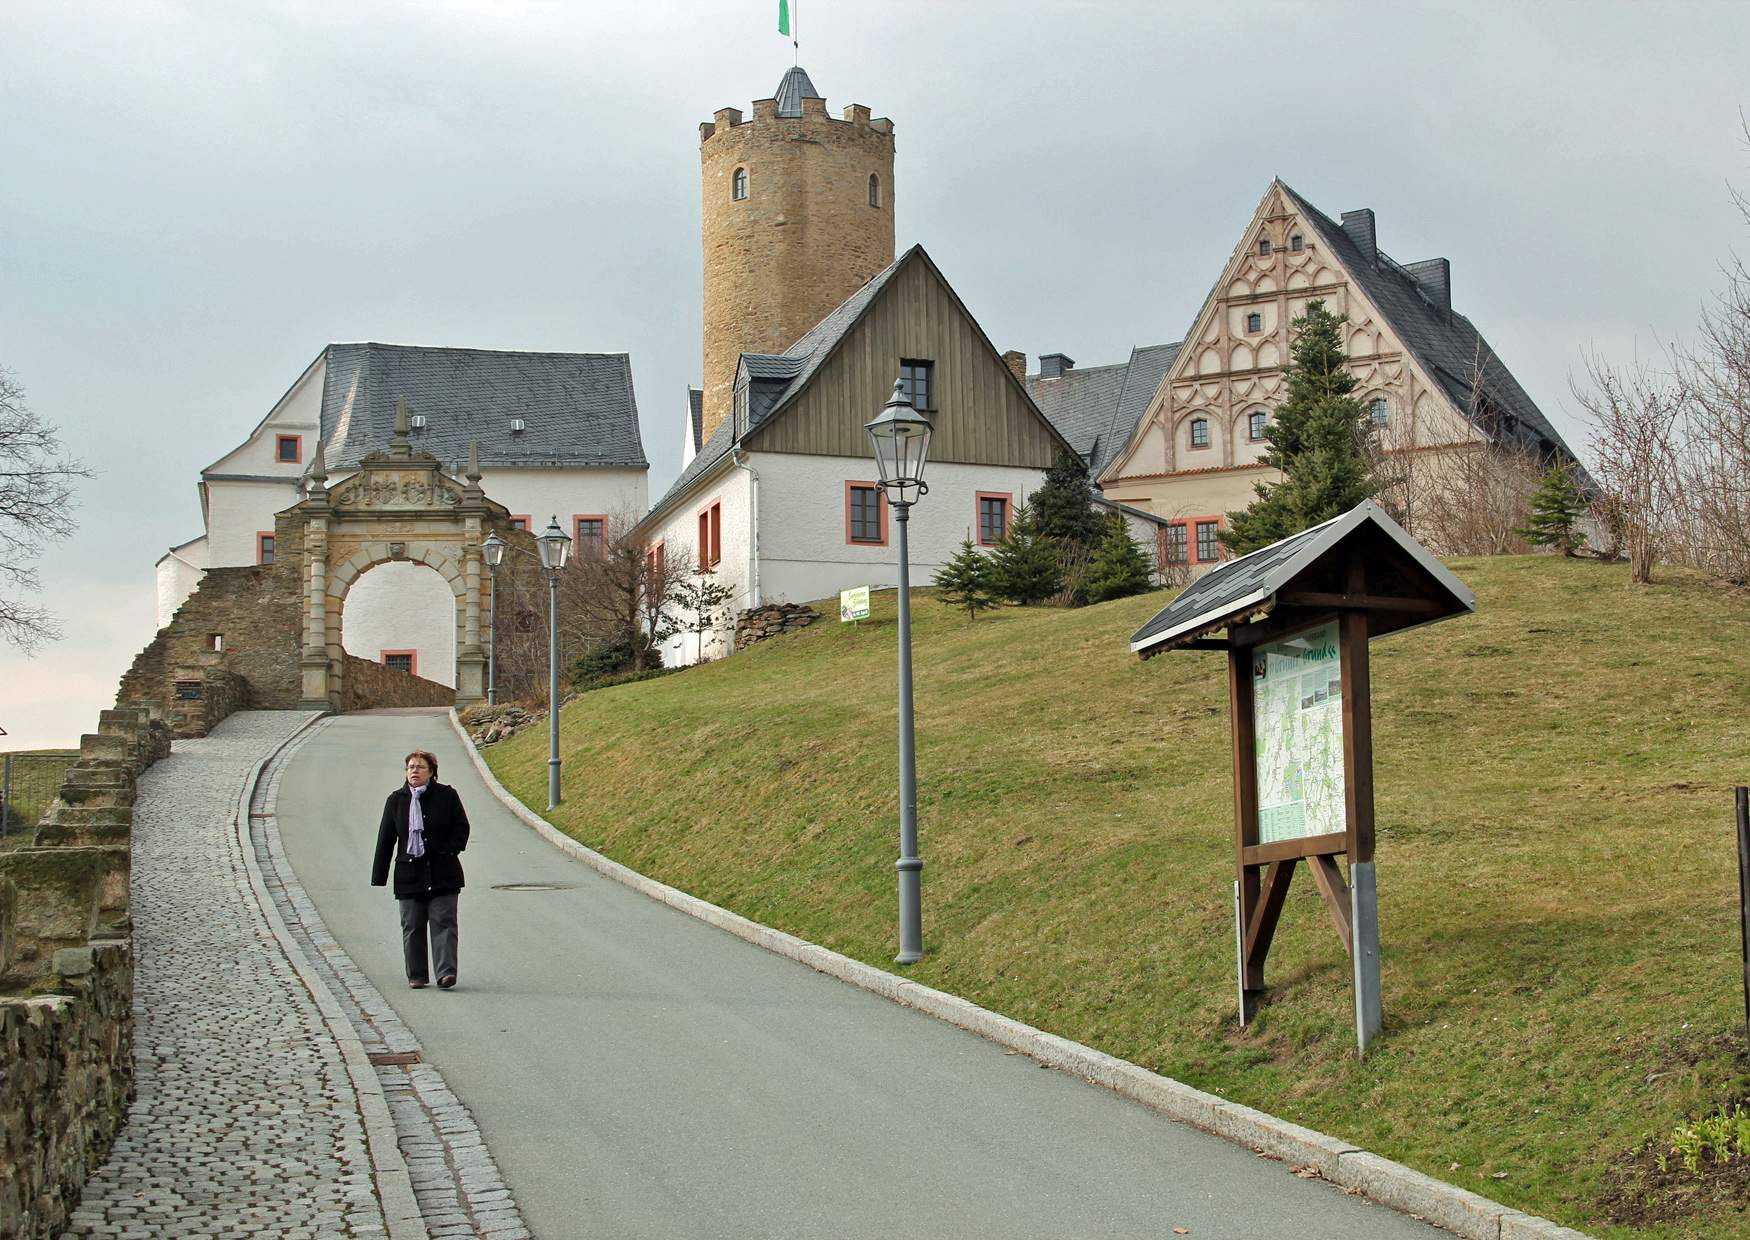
(1024,565)
(1556,509)
(1063,505)
(1119,569)
(967,581)
(1317,438)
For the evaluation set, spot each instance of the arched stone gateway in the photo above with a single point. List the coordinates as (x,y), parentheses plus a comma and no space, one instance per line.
(399,507)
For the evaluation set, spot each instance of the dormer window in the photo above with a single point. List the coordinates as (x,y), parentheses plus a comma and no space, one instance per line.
(740,411)
(1296,244)
(1199,432)
(1263,248)
(739,185)
(1254,322)
(874,190)
(416,421)
(288,449)
(518,426)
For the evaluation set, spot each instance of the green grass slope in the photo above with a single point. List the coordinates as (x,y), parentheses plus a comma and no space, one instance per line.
(1557,877)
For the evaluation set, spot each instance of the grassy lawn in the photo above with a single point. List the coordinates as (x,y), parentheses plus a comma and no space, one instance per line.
(1557,876)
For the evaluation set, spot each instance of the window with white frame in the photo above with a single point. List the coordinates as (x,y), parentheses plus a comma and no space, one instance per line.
(739,192)
(1199,432)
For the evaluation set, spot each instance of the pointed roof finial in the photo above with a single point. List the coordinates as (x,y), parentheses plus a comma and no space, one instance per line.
(472,474)
(398,443)
(318,468)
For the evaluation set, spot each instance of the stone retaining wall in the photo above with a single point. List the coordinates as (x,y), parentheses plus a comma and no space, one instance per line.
(372,686)
(755,624)
(66,978)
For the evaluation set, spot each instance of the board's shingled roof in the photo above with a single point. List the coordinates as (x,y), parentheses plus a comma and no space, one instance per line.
(1232,590)
(578,409)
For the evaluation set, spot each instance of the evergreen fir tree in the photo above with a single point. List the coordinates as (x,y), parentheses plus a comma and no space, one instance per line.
(966,581)
(1063,505)
(1316,436)
(1556,509)
(1119,569)
(1024,566)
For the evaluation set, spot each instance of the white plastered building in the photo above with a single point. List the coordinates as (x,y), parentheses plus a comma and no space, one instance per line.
(557,435)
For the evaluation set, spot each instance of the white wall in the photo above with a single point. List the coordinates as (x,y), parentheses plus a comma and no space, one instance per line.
(179,572)
(237,512)
(542,493)
(398,606)
(679,534)
(804,554)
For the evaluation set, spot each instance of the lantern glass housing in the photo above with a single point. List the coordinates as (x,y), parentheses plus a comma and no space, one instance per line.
(555,546)
(901,439)
(492,550)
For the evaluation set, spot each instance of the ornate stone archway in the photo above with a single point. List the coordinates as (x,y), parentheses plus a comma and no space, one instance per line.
(399,507)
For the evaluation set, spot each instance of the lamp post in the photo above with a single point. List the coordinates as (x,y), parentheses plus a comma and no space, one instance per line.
(492,550)
(555,545)
(901,438)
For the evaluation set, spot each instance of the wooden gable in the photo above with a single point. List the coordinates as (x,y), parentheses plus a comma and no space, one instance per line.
(981,413)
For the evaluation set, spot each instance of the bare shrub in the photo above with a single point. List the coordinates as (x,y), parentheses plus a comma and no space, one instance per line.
(1635,413)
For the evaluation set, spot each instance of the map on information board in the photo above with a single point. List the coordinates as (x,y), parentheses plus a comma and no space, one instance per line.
(1297,705)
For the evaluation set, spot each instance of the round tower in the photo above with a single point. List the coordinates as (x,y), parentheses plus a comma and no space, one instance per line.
(798,214)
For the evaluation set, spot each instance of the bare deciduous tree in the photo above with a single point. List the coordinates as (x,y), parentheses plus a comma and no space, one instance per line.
(36,508)
(1635,413)
(1473,498)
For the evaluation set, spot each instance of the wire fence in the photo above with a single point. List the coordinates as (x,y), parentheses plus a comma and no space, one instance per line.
(28,784)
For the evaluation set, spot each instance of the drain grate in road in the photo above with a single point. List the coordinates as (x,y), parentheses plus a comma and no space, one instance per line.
(533,886)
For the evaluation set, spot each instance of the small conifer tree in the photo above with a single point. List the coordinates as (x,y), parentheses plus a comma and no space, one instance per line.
(1317,439)
(1025,566)
(1063,506)
(1556,509)
(967,580)
(1119,569)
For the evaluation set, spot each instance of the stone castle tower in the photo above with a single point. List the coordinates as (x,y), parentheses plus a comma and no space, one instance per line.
(798,214)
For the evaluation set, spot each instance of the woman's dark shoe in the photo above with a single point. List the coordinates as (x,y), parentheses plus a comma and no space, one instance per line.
(417,983)
(444,983)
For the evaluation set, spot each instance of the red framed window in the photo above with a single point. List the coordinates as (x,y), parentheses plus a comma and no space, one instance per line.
(288,449)
(710,537)
(264,547)
(401,661)
(591,535)
(520,522)
(655,561)
(1175,544)
(994,509)
(865,515)
(1208,541)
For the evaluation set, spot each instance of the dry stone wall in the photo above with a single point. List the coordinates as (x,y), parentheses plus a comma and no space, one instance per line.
(372,685)
(66,978)
(755,624)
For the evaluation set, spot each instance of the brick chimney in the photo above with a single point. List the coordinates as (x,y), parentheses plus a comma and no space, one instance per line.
(1016,361)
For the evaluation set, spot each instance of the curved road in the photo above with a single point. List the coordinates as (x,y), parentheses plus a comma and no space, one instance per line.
(637,1073)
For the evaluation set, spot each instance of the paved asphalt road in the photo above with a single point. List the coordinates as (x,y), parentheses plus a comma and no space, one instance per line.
(638,1073)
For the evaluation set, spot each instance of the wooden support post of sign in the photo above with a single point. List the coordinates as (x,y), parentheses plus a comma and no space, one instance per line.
(1358,813)
(1743,798)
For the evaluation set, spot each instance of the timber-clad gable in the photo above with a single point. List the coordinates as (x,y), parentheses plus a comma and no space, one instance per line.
(980,411)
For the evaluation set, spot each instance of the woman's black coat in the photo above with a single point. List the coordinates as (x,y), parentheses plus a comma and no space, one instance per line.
(439,871)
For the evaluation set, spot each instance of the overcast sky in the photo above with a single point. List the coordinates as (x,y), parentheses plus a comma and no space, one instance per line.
(196,197)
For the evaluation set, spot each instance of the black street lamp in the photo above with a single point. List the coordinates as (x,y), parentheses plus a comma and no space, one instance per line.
(492,551)
(555,545)
(901,437)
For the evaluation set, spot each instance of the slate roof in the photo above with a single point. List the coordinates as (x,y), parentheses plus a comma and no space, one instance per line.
(579,409)
(1235,589)
(695,414)
(793,88)
(1443,342)
(1097,408)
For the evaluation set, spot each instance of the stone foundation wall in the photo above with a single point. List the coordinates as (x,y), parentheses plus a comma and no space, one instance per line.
(66,978)
(755,624)
(371,686)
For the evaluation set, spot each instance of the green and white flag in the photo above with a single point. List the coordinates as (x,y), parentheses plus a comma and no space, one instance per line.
(783,16)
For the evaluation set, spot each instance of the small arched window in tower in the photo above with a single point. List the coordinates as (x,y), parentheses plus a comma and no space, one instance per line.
(739,191)
(874,190)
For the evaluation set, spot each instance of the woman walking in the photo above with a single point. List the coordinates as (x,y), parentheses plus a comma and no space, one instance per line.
(424,826)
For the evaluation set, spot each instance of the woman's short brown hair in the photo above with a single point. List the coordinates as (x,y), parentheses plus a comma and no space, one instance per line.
(430,759)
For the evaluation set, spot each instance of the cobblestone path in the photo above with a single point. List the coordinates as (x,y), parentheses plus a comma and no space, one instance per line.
(246,1120)
(454,1177)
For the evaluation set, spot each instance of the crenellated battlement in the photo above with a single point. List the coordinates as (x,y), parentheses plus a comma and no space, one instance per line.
(856,118)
